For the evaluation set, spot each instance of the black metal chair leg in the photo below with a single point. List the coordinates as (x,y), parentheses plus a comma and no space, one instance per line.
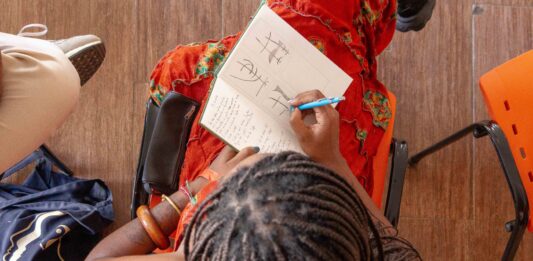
(521,204)
(441,144)
(55,160)
(499,141)
(397,176)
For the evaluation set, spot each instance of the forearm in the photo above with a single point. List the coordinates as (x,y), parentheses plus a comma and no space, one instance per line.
(132,239)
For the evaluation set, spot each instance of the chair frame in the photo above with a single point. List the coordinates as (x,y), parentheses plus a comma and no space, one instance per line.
(481,129)
(399,162)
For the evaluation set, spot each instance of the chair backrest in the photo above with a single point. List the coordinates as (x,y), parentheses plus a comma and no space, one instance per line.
(381,159)
(508,94)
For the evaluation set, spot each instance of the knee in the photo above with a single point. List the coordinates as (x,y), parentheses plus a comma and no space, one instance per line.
(61,83)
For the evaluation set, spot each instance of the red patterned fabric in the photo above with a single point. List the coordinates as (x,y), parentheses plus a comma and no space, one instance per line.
(188,212)
(350,33)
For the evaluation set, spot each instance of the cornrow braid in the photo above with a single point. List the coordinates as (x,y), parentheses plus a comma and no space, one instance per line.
(284,207)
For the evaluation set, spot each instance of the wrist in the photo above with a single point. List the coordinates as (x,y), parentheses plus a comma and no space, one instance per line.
(333,160)
(197,185)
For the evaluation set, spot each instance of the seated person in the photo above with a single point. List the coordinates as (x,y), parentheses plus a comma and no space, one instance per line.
(40,85)
(319,203)
(284,206)
(350,33)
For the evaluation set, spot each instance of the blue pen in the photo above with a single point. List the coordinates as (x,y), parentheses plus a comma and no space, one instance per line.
(321,102)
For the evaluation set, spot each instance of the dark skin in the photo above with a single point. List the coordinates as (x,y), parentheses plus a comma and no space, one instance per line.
(320,141)
(131,239)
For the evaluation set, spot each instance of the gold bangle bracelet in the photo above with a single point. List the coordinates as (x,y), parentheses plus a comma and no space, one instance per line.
(172,203)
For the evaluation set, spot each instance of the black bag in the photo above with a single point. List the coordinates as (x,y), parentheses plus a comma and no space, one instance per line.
(51,216)
(163,147)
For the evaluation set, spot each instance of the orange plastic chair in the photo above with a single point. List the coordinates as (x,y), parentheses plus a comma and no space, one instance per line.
(508,95)
(398,152)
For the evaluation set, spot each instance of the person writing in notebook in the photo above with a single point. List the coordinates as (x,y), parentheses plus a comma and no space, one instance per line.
(257,206)
(283,206)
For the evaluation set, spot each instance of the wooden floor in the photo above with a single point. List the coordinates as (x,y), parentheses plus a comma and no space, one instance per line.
(455,202)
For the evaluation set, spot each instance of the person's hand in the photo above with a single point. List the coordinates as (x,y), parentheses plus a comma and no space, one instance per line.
(320,141)
(229,158)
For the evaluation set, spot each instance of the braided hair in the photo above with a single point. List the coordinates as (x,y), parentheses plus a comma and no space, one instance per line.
(284,207)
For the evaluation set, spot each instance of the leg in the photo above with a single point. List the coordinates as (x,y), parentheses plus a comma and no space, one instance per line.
(39,89)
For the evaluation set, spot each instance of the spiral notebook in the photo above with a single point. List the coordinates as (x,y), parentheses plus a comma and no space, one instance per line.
(270,64)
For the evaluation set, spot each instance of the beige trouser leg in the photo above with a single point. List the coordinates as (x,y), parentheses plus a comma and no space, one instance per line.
(39,89)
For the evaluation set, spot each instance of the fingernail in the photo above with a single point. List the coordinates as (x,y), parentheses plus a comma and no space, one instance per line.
(291,101)
(256,149)
(291,109)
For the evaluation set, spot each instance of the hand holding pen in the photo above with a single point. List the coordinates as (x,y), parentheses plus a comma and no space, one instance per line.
(320,140)
(320,103)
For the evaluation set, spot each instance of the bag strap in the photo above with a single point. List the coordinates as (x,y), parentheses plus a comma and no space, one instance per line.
(36,155)
(44,156)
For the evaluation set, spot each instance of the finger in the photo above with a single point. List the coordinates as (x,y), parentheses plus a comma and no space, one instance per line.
(227,153)
(245,153)
(298,125)
(306,97)
(327,115)
(321,112)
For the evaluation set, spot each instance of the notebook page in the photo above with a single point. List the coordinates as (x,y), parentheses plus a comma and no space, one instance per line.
(238,121)
(272,63)
(269,65)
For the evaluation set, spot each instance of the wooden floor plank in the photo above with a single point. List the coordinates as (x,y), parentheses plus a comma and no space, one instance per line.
(430,73)
(140,98)
(96,140)
(164,24)
(439,239)
(236,14)
(19,13)
(500,33)
(514,3)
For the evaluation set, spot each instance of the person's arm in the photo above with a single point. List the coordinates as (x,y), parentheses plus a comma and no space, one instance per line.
(131,239)
(320,141)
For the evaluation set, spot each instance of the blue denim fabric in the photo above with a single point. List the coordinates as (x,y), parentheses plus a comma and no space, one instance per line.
(51,216)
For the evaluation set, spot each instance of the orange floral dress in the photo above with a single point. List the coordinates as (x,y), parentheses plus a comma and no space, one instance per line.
(350,33)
